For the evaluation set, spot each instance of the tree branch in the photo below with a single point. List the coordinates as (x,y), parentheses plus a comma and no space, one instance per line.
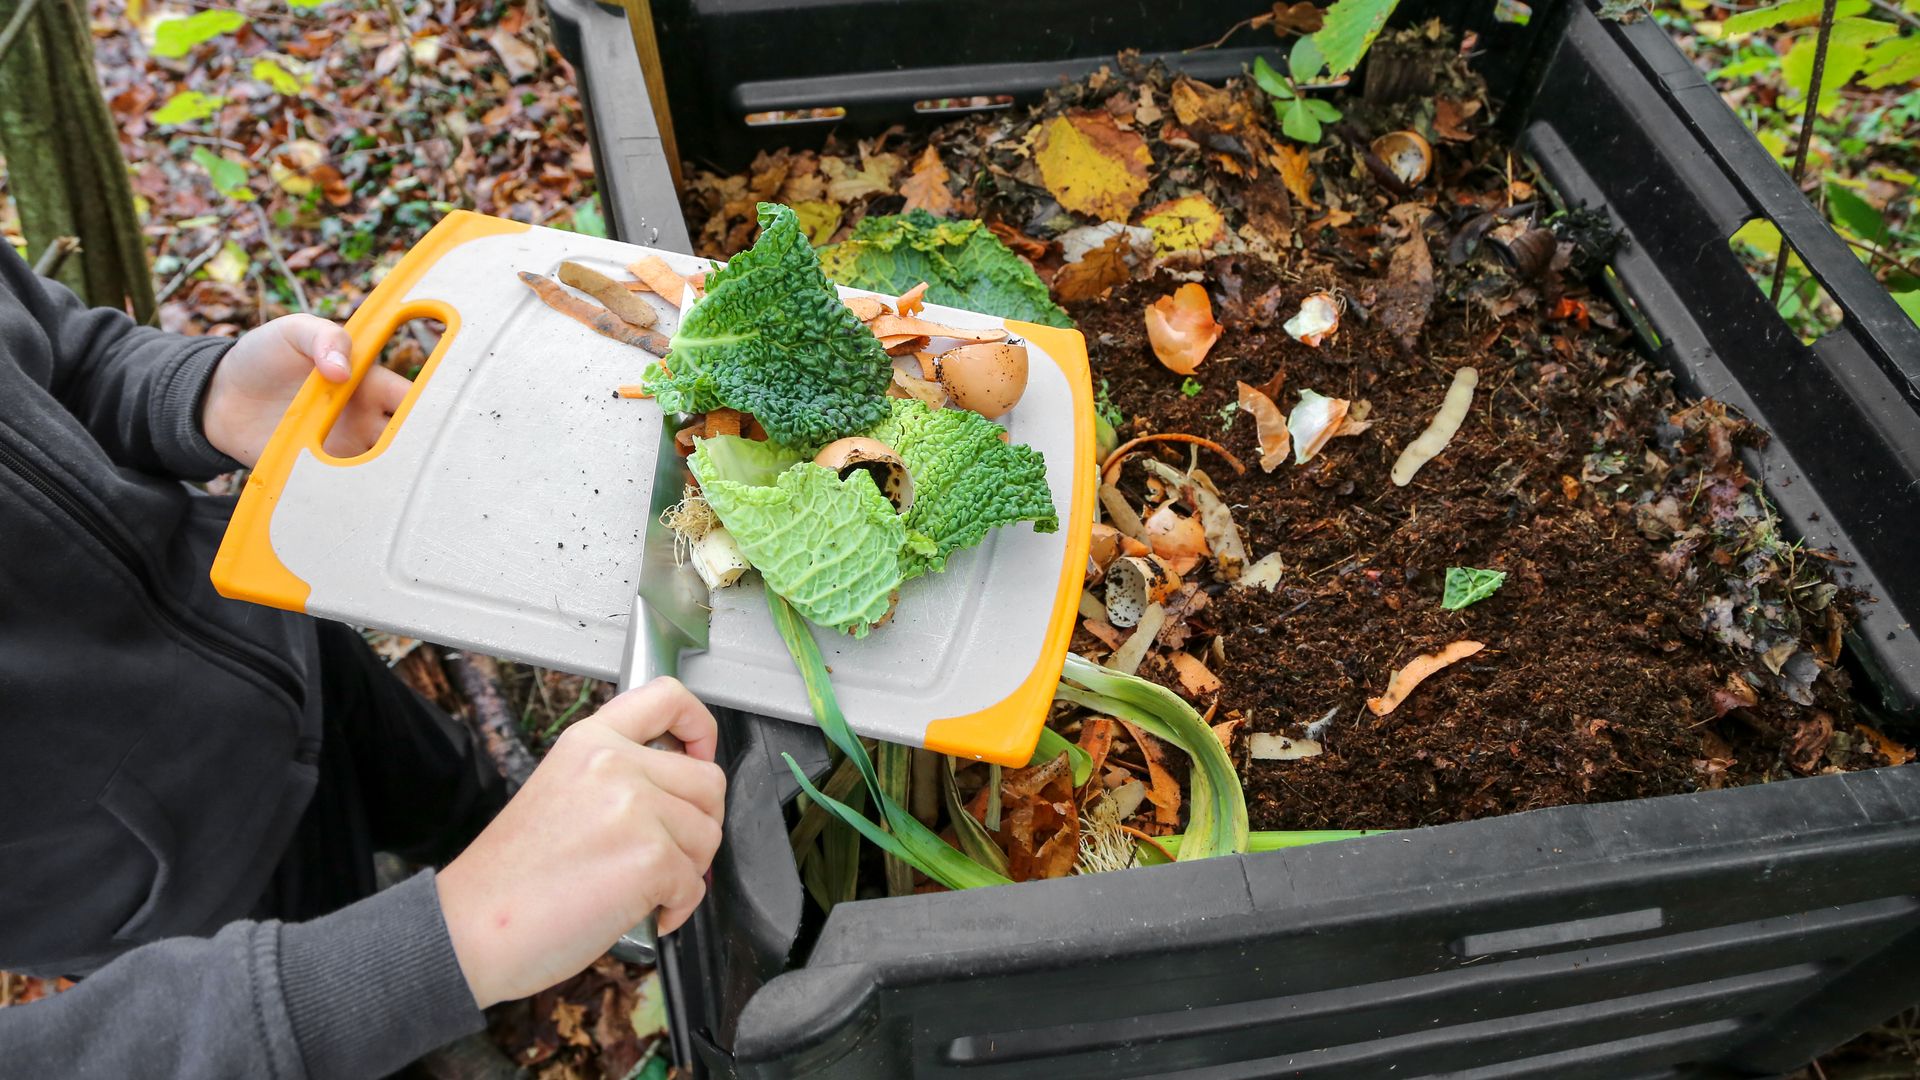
(1806,133)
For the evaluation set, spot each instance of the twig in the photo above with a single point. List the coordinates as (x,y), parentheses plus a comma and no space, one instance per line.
(478,678)
(1897,12)
(52,259)
(15,25)
(1878,252)
(279,261)
(188,271)
(1806,134)
(404,35)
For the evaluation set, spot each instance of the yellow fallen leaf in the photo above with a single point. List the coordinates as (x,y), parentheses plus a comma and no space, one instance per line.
(1402,682)
(1092,166)
(1295,172)
(927,188)
(230,265)
(818,220)
(874,176)
(1095,272)
(1189,223)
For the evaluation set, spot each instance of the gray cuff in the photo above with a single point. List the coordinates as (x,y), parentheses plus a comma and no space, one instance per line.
(181,444)
(375,985)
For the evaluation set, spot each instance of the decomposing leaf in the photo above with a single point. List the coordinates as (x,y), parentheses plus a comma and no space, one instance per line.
(1402,682)
(1189,223)
(1042,820)
(1095,272)
(818,219)
(926,189)
(1181,328)
(568,1022)
(1093,166)
(1296,171)
(1163,791)
(1450,118)
(1195,679)
(1407,296)
(518,57)
(1895,753)
(873,176)
(1271,426)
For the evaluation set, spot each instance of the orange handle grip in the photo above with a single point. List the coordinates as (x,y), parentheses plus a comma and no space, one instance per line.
(247,567)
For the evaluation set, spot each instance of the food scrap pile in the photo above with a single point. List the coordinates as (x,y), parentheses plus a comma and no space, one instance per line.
(1396,502)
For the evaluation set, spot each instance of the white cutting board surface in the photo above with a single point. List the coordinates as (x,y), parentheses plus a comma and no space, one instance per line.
(505,509)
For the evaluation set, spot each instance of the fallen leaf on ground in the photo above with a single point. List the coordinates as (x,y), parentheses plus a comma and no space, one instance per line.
(1093,166)
(1894,752)
(1450,119)
(1163,791)
(1095,272)
(1195,679)
(1195,101)
(1096,738)
(518,57)
(818,219)
(1296,171)
(1181,328)
(927,188)
(1407,295)
(1189,223)
(874,176)
(1271,426)
(1042,820)
(1402,682)
(1301,18)
(568,1019)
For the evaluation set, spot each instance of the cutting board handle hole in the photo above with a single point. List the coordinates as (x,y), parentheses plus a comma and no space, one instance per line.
(407,341)
(406,351)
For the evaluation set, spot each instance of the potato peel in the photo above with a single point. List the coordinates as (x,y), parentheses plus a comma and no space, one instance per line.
(1402,683)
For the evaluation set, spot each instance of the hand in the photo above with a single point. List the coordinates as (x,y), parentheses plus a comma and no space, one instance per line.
(257,379)
(605,831)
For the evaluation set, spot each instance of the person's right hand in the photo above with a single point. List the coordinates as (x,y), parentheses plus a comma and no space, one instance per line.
(605,831)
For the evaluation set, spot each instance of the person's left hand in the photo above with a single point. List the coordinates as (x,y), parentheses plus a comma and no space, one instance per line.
(257,379)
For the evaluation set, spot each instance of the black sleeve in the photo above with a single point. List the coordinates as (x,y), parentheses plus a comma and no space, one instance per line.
(355,994)
(136,389)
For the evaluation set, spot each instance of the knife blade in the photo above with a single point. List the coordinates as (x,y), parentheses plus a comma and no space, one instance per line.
(670,616)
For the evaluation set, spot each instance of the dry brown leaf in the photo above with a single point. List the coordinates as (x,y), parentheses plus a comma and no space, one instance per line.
(1271,425)
(1296,171)
(1096,738)
(927,188)
(1894,752)
(516,56)
(1095,273)
(568,1021)
(1195,679)
(1195,102)
(1092,165)
(1301,18)
(1042,820)
(1163,791)
(846,182)
(1402,682)
(1450,119)
(1020,243)
(1407,296)
(1181,328)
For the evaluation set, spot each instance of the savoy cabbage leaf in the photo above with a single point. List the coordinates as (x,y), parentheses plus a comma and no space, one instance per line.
(832,547)
(1467,585)
(772,338)
(966,482)
(962,262)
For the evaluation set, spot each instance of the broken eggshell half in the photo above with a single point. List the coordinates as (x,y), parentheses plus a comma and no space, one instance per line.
(889,471)
(987,378)
(1406,154)
(1134,583)
(1318,318)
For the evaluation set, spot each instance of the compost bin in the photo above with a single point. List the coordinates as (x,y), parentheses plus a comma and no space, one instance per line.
(1735,932)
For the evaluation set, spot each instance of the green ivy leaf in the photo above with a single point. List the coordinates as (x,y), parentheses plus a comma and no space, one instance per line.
(1781,14)
(1270,80)
(1298,122)
(229,177)
(269,71)
(174,38)
(187,107)
(1305,61)
(1466,585)
(1348,31)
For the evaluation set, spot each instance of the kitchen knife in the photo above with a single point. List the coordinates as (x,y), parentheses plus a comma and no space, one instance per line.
(670,615)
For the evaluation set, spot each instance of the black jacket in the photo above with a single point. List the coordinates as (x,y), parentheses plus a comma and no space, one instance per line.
(158,742)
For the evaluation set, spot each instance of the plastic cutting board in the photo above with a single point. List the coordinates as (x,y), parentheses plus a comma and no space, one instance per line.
(503,511)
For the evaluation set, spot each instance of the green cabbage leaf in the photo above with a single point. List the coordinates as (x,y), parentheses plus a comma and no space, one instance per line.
(962,262)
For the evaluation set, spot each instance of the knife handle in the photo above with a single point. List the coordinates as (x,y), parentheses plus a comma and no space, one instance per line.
(641,945)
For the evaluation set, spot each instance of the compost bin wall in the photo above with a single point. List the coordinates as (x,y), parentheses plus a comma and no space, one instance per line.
(1731,933)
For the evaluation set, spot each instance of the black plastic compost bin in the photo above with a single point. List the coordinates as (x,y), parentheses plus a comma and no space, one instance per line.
(1724,934)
